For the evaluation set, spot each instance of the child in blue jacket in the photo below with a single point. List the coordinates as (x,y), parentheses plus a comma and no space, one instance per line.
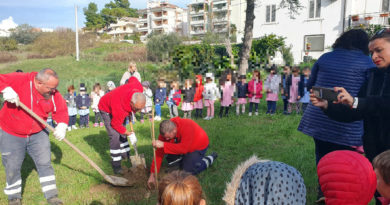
(83,101)
(159,97)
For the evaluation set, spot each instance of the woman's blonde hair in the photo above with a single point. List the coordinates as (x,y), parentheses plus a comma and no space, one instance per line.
(133,65)
(180,188)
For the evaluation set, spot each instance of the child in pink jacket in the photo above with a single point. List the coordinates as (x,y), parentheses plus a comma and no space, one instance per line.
(227,83)
(255,88)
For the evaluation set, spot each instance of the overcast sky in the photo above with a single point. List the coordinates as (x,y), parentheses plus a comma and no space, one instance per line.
(57,13)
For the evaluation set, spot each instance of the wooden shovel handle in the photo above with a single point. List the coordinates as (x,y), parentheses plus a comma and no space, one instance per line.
(35,116)
(154,150)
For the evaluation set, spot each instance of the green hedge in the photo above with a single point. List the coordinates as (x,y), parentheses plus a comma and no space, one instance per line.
(189,60)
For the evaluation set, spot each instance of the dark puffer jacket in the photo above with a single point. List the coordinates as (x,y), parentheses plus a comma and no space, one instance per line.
(188,94)
(342,68)
(242,90)
(373,108)
(160,95)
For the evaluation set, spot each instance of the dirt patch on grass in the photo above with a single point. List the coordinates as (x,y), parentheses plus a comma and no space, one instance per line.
(139,191)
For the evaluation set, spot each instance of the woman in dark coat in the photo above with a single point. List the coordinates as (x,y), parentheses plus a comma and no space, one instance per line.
(346,66)
(372,105)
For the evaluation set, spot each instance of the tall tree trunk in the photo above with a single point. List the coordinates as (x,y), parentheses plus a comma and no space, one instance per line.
(230,52)
(248,35)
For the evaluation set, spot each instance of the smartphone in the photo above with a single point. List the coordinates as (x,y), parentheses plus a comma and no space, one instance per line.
(325,93)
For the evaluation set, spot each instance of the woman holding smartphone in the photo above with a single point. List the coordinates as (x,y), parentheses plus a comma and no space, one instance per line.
(345,66)
(372,105)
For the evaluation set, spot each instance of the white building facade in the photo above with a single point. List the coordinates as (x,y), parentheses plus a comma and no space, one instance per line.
(319,23)
(125,26)
(162,17)
(209,16)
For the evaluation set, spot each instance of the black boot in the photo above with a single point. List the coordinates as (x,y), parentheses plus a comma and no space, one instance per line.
(117,169)
(55,201)
(15,202)
(220,112)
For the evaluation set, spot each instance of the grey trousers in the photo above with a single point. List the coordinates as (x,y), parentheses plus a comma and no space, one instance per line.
(13,150)
(173,111)
(119,146)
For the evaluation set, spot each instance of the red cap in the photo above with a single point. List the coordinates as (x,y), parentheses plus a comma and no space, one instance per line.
(347,178)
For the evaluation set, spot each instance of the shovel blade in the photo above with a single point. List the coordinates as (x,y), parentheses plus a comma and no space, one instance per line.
(138,160)
(117,181)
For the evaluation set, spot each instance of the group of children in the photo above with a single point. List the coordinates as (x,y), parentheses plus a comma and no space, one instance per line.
(292,88)
(195,96)
(80,104)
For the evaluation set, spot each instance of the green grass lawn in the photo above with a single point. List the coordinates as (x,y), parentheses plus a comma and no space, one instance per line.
(234,139)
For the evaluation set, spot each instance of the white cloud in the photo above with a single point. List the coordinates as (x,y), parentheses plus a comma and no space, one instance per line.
(6,25)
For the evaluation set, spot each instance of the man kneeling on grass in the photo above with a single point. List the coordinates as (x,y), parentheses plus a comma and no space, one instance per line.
(185,143)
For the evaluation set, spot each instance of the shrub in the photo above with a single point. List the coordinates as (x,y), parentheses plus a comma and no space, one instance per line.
(39,56)
(105,36)
(160,46)
(118,56)
(8,44)
(136,54)
(61,42)
(6,57)
(24,34)
(287,55)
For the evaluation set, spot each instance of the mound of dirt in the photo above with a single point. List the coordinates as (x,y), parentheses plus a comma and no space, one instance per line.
(138,176)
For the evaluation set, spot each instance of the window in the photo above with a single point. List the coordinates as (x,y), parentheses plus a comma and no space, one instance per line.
(385,5)
(314,9)
(270,13)
(315,42)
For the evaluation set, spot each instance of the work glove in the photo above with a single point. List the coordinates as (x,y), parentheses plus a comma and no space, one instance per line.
(10,95)
(133,139)
(60,131)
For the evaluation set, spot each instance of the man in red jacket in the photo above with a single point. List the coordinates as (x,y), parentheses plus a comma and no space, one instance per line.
(185,143)
(114,107)
(20,132)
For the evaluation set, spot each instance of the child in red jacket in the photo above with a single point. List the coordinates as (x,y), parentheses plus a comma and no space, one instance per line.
(198,98)
(255,88)
(174,99)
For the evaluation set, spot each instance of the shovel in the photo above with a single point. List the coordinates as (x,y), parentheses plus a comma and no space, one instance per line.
(114,180)
(136,160)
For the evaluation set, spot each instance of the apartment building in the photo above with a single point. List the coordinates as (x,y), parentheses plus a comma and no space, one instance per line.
(125,26)
(319,23)
(162,17)
(209,16)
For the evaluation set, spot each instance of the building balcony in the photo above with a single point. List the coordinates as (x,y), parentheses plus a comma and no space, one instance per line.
(200,22)
(143,20)
(216,2)
(198,32)
(144,28)
(220,30)
(160,26)
(194,2)
(220,20)
(357,21)
(116,32)
(220,9)
(199,12)
(155,18)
